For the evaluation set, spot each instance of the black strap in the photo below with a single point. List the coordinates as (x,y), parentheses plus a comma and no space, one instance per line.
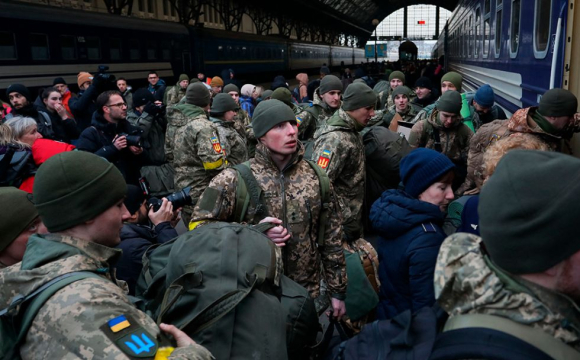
(437,139)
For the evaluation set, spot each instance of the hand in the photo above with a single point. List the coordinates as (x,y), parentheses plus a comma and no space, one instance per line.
(176,217)
(338,308)
(136,150)
(180,337)
(151,109)
(165,212)
(120,142)
(279,235)
(61,111)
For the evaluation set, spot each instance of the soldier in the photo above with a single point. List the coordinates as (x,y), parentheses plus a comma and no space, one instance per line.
(174,94)
(402,109)
(242,119)
(424,91)
(326,102)
(285,96)
(291,200)
(482,108)
(222,113)
(445,132)
(449,81)
(102,323)
(396,79)
(521,275)
(339,149)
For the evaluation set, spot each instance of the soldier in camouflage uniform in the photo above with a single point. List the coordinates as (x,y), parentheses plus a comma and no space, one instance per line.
(325,103)
(449,81)
(242,119)
(553,122)
(396,79)
(445,132)
(292,200)
(91,318)
(524,268)
(339,149)
(177,92)
(402,109)
(222,114)
(285,96)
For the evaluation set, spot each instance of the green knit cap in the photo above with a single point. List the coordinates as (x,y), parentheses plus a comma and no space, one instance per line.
(269,114)
(397,75)
(329,83)
(454,78)
(222,103)
(450,102)
(183,77)
(18,214)
(75,186)
(401,90)
(231,87)
(283,95)
(197,94)
(558,102)
(358,95)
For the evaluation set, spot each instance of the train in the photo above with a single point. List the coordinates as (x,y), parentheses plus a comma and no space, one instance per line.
(39,43)
(522,48)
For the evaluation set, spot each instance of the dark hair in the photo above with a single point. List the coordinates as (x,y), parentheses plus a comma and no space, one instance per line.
(153,72)
(122,78)
(103,99)
(47,91)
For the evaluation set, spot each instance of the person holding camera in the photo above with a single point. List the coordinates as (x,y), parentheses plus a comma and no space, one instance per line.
(146,226)
(111,136)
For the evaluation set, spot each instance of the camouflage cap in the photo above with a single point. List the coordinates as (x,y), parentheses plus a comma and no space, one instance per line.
(18,214)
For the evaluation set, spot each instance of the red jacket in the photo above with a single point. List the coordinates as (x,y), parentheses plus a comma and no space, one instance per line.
(42,150)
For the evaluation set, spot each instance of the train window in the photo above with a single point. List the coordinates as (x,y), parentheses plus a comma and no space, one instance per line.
(134,49)
(150,6)
(165,51)
(515,28)
(498,24)
(486,28)
(477,32)
(68,47)
(542,27)
(141,5)
(151,49)
(7,46)
(165,4)
(93,45)
(39,47)
(115,49)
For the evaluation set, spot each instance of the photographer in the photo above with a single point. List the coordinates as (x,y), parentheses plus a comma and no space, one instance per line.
(150,118)
(144,228)
(83,106)
(111,136)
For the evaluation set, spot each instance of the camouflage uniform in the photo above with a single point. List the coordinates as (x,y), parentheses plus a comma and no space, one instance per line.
(233,143)
(407,115)
(467,282)
(70,323)
(339,149)
(307,123)
(177,117)
(293,196)
(425,113)
(198,157)
(174,95)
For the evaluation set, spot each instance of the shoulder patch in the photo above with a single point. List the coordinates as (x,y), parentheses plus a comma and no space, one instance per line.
(324,159)
(298,120)
(130,337)
(215,143)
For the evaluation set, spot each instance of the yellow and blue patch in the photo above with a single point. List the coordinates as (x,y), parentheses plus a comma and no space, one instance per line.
(324,159)
(326,153)
(119,323)
(215,143)
(298,120)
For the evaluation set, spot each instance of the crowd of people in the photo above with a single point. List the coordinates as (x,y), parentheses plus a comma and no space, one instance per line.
(476,218)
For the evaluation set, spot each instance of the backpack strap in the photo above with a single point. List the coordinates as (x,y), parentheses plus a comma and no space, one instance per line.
(248,186)
(324,181)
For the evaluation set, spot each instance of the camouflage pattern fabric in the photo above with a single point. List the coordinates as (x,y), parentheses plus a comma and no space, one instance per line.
(467,282)
(232,142)
(340,151)
(242,125)
(174,95)
(293,196)
(68,324)
(177,117)
(407,115)
(307,124)
(424,114)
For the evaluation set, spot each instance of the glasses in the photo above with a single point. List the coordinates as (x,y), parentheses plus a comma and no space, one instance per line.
(121,105)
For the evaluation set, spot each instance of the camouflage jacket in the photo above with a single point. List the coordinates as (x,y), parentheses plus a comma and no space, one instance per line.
(233,144)
(408,115)
(72,324)
(174,94)
(425,113)
(293,196)
(467,282)
(242,125)
(454,141)
(313,116)
(339,149)
(177,117)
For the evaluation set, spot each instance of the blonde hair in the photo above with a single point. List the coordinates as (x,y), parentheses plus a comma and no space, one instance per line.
(497,150)
(20,125)
(7,137)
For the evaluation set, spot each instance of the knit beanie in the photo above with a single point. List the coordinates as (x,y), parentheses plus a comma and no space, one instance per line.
(18,214)
(75,186)
(267,93)
(358,95)
(197,94)
(83,77)
(193,80)
(269,114)
(58,81)
(401,90)
(19,88)
(325,70)
(450,102)
(454,78)
(142,97)
(558,102)
(527,211)
(223,103)
(397,75)
(422,168)
(484,96)
(183,77)
(279,81)
(283,95)
(230,87)
(329,83)
(424,82)
(134,198)
(216,81)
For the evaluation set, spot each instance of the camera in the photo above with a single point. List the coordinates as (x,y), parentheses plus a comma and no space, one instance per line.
(132,140)
(178,199)
(105,80)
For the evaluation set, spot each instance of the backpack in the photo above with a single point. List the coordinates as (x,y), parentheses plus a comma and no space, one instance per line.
(16,165)
(15,320)
(222,284)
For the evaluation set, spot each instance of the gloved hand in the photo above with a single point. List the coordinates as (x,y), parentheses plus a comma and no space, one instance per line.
(151,109)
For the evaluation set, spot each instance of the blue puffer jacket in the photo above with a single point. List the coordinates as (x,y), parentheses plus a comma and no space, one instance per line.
(411,235)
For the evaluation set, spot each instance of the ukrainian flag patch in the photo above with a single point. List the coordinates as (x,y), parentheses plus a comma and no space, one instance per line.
(119,323)
(298,120)
(324,159)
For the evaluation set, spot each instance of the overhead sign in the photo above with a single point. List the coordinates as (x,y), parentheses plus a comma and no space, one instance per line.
(381,50)
(421,22)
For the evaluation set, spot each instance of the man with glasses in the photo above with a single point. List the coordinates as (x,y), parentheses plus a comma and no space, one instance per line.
(111,136)
(156,86)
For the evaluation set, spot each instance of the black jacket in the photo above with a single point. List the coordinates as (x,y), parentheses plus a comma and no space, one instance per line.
(64,130)
(43,124)
(83,107)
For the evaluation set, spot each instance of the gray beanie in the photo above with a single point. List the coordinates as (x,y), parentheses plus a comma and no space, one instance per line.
(397,75)
(230,87)
(197,94)
(558,102)
(283,95)
(358,95)
(222,103)
(450,102)
(269,114)
(401,90)
(329,83)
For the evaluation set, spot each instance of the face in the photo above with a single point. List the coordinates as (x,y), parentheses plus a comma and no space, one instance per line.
(116,108)
(30,135)
(86,85)
(17,100)
(401,102)
(560,122)
(200,76)
(362,115)
(396,83)
(153,79)
(282,139)
(184,83)
(439,194)
(62,88)
(447,85)
(480,109)
(109,223)
(15,251)
(122,85)
(448,119)
(422,92)
(256,93)
(230,115)
(53,99)
(216,89)
(568,282)
(235,96)
(332,98)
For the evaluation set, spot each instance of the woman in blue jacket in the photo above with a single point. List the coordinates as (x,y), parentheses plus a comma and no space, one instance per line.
(409,224)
